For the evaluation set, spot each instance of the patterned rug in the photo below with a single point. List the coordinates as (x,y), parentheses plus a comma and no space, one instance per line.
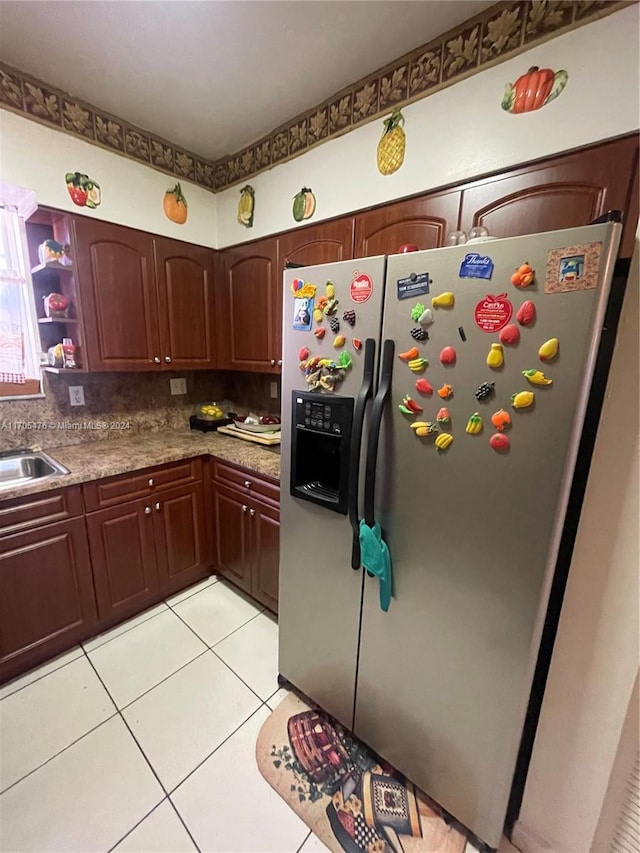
(350,798)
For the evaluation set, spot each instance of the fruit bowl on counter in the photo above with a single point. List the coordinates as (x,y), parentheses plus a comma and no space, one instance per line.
(255,423)
(208,417)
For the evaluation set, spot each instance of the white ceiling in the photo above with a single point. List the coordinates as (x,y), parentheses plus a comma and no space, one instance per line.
(214,76)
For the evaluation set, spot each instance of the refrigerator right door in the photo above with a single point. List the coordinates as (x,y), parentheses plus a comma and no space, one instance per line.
(444,676)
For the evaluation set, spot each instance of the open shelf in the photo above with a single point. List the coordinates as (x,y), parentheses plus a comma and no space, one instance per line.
(52,265)
(44,320)
(49,369)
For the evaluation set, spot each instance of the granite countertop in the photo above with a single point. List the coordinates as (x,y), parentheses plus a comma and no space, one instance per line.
(94,460)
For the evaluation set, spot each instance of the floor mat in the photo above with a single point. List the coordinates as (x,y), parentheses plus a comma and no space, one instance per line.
(352,800)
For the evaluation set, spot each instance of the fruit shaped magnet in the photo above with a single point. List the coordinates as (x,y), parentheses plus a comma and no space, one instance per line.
(484,391)
(444,300)
(85,192)
(474,424)
(499,442)
(444,416)
(523,276)
(501,419)
(330,290)
(418,365)
(522,400)
(357,344)
(417,311)
(535,89)
(319,332)
(536,377)
(392,144)
(414,352)
(419,334)
(303,354)
(444,441)
(411,404)
(331,307)
(510,335)
(246,206)
(526,313)
(174,205)
(549,350)
(349,317)
(345,360)
(334,325)
(495,358)
(445,392)
(423,386)
(318,316)
(447,356)
(339,341)
(423,428)
(304,204)
(322,302)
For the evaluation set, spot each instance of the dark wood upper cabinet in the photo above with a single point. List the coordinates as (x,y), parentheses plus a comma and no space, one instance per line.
(47,601)
(565,192)
(185,301)
(115,271)
(423,221)
(247,308)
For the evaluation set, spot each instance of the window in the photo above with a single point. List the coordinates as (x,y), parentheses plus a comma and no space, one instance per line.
(19,340)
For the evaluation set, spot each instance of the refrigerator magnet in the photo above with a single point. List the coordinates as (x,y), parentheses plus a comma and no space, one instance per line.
(414,285)
(475,265)
(361,287)
(492,313)
(573,268)
(302,313)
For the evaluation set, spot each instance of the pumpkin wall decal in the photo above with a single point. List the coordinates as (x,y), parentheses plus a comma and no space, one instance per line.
(535,89)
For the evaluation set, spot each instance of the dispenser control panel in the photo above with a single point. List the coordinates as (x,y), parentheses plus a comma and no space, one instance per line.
(322,415)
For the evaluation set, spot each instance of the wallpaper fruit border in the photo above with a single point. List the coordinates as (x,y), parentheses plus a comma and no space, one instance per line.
(501,32)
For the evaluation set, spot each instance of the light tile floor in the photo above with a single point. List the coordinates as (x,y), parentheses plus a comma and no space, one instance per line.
(143,739)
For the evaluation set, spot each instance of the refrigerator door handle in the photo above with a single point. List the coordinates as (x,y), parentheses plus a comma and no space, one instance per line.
(364,394)
(379,403)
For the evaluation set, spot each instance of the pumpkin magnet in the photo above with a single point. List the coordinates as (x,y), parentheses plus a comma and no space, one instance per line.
(246,206)
(174,205)
(533,90)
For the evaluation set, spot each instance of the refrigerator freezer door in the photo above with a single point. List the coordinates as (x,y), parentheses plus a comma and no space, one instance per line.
(444,676)
(320,594)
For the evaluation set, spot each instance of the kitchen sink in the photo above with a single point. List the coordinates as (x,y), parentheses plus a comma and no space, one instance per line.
(23,467)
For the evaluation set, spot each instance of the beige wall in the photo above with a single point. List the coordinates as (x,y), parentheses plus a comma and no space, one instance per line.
(595,659)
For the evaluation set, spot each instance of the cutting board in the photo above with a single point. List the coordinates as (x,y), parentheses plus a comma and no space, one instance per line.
(257,437)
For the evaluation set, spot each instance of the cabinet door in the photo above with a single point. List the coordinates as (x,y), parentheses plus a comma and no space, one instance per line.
(184,275)
(47,601)
(232,531)
(423,221)
(180,536)
(247,294)
(121,540)
(266,555)
(118,296)
(317,244)
(561,193)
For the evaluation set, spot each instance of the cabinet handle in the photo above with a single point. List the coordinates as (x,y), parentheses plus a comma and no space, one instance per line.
(252,512)
(167,358)
(151,483)
(244,509)
(157,359)
(279,362)
(147,510)
(157,507)
(273,362)
(247,484)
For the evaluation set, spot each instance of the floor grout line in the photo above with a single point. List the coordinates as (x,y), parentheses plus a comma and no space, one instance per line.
(126,631)
(182,821)
(35,680)
(166,678)
(191,594)
(135,826)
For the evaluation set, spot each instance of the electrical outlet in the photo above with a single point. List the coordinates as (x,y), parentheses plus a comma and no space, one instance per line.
(273,390)
(76,395)
(178,386)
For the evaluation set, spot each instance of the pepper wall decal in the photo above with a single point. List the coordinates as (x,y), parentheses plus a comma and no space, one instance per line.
(535,89)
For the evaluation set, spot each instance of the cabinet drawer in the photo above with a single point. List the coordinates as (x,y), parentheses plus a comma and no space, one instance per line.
(19,514)
(246,481)
(145,483)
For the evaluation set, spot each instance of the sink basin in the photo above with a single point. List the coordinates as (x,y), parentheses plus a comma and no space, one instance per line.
(22,467)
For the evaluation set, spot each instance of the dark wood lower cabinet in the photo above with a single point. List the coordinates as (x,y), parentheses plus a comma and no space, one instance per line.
(266,555)
(47,599)
(123,556)
(182,550)
(232,534)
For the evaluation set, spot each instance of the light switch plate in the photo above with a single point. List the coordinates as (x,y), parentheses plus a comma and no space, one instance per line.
(76,395)
(178,386)
(273,390)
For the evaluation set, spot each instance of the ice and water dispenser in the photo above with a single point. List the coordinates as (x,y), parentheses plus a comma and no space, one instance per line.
(320,449)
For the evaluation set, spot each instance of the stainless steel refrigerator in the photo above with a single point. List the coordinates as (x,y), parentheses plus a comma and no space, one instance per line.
(439,682)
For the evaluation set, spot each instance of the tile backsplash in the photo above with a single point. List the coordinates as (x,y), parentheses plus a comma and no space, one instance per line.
(126,403)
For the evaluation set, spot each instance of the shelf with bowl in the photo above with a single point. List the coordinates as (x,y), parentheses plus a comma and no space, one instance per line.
(51,266)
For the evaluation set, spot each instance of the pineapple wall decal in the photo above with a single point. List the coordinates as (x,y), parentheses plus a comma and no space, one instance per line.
(246,206)
(392,144)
